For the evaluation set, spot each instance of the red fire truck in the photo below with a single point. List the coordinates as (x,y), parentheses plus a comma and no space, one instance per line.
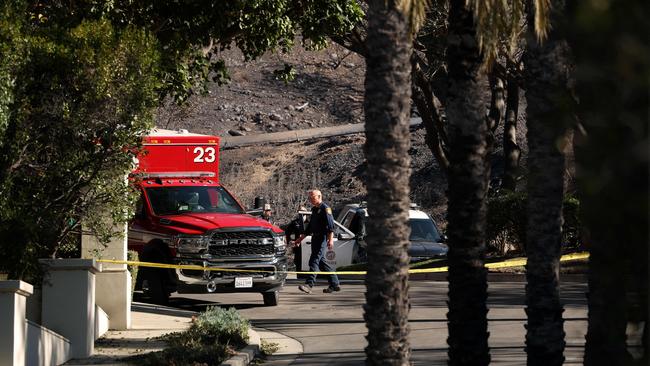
(184,216)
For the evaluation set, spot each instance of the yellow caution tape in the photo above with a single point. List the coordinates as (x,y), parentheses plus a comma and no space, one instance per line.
(515,262)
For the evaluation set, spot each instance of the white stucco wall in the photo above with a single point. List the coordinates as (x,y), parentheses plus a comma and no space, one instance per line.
(45,347)
(69,302)
(101,322)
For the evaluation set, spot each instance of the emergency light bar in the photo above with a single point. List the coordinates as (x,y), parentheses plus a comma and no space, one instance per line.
(177,175)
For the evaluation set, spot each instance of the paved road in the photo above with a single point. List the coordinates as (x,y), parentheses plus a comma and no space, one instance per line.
(332,330)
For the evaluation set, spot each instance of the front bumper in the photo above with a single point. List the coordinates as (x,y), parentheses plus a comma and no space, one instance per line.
(271,276)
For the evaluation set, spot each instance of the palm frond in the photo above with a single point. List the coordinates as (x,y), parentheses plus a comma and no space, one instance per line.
(542,17)
(415,11)
(497,22)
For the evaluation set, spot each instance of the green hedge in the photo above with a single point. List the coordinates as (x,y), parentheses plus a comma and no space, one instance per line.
(506,223)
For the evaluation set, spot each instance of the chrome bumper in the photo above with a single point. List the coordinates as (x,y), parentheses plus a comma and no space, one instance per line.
(196,281)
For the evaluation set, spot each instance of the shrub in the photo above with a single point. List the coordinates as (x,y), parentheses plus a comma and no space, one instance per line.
(222,326)
(506,222)
(211,338)
(507,218)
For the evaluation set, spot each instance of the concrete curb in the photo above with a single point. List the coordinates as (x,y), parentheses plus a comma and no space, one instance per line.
(243,357)
(246,355)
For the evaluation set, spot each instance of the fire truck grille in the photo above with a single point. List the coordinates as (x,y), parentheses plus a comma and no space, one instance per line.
(241,250)
(227,235)
(252,272)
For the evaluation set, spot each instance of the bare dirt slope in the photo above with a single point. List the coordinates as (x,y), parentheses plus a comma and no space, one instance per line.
(327,90)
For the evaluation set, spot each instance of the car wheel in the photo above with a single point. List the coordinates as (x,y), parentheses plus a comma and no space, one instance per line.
(271,298)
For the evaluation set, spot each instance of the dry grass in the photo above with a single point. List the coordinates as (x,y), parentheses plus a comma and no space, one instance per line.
(274,174)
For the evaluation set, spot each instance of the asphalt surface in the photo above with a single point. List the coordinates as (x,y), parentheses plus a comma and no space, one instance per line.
(332,331)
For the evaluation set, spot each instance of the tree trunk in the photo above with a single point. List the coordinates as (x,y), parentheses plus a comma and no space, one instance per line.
(468,178)
(497,102)
(612,163)
(546,67)
(511,151)
(387,107)
(429,107)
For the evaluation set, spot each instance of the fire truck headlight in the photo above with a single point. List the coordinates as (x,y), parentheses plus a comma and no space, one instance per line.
(280,243)
(191,244)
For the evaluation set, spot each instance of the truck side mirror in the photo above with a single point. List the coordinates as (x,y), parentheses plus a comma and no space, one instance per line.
(443,238)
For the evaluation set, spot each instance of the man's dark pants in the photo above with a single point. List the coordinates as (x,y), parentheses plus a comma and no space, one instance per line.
(317,261)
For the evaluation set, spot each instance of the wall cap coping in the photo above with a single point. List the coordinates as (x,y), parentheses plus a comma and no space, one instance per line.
(71,264)
(16,286)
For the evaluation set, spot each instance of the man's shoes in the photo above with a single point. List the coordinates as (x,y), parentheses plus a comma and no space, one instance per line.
(331,289)
(305,288)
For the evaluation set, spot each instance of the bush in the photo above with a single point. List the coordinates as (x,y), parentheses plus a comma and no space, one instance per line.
(506,223)
(81,95)
(212,337)
(222,326)
(507,219)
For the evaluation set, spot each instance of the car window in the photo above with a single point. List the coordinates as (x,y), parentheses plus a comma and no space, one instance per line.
(356,225)
(340,229)
(423,230)
(347,218)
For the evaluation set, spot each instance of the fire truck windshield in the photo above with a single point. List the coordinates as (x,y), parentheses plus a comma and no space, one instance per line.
(191,199)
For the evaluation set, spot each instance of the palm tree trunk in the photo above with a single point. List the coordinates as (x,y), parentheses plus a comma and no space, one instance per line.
(511,150)
(548,115)
(387,107)
(612,164)
(468,178)
(545,334)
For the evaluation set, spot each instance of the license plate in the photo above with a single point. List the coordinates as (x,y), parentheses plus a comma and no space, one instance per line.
(243,282)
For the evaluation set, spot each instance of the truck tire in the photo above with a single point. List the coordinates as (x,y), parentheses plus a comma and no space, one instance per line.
(158,279)
(271,298)
(158,290)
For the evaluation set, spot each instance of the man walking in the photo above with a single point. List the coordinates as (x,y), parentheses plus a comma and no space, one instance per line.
(321,229)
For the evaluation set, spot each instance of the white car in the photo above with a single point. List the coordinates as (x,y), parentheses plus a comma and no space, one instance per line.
(345,246)
(425,239)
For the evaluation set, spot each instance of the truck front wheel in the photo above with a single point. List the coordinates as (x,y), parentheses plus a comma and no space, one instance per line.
(156,282)
(271,298)
(157,290)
